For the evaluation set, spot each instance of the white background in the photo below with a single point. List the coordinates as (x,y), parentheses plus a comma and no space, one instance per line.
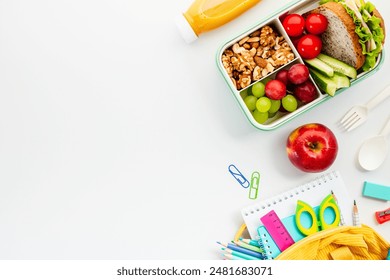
(115,135)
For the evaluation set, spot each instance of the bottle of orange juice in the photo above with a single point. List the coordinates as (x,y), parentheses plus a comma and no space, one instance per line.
(205,15)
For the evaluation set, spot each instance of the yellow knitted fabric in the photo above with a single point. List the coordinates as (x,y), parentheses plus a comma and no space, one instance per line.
(341,243)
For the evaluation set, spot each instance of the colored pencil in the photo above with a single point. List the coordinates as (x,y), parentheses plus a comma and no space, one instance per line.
(241,255)
(342,222)
(242,250)
(250,242)
(355,215)
(231,257)
(249,247)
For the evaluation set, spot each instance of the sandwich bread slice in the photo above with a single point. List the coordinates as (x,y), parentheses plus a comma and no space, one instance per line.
(355,33)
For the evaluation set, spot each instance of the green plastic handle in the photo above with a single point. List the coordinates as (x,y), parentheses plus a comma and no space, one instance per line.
(301,208)
(329,202)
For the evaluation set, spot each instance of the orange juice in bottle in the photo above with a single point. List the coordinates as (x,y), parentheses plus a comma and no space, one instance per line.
(205,15)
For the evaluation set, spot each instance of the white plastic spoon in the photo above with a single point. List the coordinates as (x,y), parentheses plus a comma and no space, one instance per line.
(374,150)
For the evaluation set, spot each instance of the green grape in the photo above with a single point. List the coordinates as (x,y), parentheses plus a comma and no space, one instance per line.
(258,89)
(275,105)
(290,103)
(260,117)
(263,104)
(250,102)
(244,93)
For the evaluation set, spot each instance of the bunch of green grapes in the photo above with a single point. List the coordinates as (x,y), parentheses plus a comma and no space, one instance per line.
(263,107)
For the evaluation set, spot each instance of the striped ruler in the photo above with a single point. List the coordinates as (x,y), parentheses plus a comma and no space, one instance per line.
(277,230)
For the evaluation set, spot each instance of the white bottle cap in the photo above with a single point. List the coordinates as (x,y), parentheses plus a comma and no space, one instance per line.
(185,29)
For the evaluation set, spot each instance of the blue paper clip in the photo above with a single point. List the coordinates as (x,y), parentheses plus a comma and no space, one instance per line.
(238,176)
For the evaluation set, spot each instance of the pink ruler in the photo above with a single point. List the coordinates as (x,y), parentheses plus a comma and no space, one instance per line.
(277,230)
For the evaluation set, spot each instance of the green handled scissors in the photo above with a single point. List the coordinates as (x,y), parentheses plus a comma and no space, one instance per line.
(316,224)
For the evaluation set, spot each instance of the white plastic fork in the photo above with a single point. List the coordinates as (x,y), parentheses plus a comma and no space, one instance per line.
(358,114)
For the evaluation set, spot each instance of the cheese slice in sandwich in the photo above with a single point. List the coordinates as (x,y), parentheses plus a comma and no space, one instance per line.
(355,33)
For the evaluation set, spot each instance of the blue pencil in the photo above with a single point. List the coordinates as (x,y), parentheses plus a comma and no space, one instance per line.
(242,250)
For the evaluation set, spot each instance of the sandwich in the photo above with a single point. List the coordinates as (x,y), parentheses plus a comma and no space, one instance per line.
(355,33)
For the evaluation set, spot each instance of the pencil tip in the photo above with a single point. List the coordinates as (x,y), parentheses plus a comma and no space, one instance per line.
(332,192)
(354,202)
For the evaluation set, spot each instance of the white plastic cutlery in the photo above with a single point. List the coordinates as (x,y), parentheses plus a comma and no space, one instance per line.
(358,114)
(374,150)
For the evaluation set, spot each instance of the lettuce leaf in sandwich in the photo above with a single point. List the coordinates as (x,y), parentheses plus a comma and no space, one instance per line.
(367,27)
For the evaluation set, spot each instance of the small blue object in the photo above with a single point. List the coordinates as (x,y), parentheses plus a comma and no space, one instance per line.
(388,255)
(239,176)
(376,191)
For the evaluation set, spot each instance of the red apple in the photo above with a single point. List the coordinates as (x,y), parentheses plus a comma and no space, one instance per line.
(312,147)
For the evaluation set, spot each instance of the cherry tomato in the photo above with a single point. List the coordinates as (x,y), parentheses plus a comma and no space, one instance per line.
(295,40)
(316,23)
(309,46)
(294,25)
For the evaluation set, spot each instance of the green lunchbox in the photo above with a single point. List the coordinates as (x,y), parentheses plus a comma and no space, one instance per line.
(284,54)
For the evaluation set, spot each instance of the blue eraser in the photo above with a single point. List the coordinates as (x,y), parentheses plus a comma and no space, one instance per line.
(376,191)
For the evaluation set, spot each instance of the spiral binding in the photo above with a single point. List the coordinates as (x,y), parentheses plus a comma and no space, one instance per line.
(323,179)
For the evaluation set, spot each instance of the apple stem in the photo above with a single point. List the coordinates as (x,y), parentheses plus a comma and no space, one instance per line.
(313,146)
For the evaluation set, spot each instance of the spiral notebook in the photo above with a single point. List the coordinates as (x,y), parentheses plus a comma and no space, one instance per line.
(284,205)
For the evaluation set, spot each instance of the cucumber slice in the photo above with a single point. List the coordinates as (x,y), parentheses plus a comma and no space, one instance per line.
(338,65)
(324,83)
(321,66)
(341,80)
